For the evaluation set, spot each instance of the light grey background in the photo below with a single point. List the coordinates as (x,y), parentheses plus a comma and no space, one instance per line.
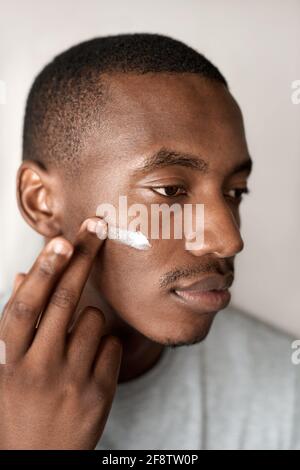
(256,45)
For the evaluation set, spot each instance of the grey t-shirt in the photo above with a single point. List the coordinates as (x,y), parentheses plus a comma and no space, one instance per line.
(237,389)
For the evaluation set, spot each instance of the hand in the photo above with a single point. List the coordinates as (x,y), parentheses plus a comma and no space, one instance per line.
(57,385)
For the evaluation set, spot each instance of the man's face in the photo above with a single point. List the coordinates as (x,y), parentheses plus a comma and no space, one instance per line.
(183,113)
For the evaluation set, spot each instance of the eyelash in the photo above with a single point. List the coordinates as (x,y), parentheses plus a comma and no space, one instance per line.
(240,192)
(170,186)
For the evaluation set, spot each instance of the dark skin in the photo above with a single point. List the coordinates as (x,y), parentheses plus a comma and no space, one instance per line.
(183,112)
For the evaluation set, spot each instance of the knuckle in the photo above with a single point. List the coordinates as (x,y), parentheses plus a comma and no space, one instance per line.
(22,309)
(8,381)
(63,297)
(34,378)
(8,373)
(71,389)
(95,316)
(102,396)
(36,372)
(23,376)
(46,268)
(102,391)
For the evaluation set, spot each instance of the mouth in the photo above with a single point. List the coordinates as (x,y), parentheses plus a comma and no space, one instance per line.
(208,294)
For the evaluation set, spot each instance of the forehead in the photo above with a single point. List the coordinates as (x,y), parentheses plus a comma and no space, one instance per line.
(181,111)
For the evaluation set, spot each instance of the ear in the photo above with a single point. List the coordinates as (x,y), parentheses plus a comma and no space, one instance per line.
(36,199)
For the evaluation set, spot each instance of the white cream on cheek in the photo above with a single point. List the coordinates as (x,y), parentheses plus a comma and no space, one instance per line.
(135,240)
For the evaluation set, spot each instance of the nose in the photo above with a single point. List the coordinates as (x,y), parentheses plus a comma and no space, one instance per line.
(221,232)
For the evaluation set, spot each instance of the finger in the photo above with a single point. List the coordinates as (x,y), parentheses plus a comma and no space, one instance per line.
(30,295)
(53,328)
(108,361)
(84,341)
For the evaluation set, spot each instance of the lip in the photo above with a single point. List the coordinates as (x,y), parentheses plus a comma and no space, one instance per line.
(208,294)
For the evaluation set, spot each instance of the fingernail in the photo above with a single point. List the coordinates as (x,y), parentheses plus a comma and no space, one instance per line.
(59,248)
(99,227)
(92,226)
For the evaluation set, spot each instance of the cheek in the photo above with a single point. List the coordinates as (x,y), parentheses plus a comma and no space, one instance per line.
(121,269)
(129,279)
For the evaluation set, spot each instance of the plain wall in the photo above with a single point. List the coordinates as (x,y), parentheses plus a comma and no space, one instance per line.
(256,45)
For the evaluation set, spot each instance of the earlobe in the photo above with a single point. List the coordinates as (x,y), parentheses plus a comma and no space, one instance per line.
(35,199)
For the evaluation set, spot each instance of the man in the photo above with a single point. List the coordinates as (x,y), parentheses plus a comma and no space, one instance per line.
(92,331)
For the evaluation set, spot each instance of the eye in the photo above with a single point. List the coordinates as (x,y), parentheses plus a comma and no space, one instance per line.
(236,193)
(170,191)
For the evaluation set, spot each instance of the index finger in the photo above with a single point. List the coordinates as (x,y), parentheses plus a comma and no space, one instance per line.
(53,327)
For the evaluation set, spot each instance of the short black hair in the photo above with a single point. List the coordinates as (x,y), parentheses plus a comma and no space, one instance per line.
(65,101)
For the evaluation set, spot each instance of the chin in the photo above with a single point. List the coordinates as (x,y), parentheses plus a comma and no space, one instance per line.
(184,333)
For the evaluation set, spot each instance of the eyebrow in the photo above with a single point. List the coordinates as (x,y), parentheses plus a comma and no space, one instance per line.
(165,157)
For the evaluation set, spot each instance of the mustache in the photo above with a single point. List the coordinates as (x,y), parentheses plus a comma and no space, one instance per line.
(189,272)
